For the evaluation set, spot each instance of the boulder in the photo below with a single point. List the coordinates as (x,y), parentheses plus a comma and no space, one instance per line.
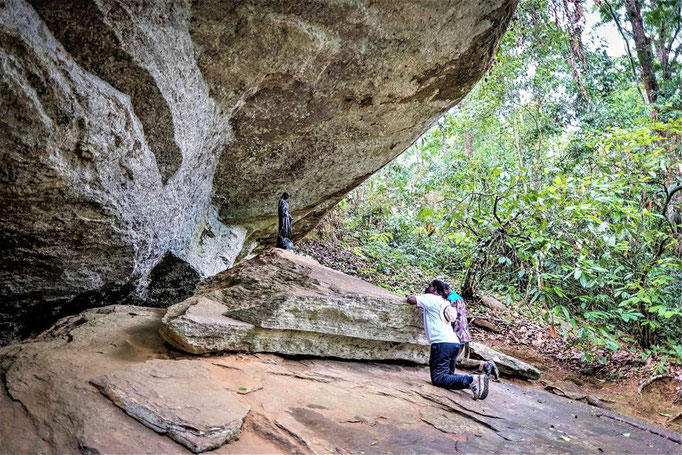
(289,304)
(198,326)
(282,302)
(171,281)
(134,129)
(201,417)
(485,324)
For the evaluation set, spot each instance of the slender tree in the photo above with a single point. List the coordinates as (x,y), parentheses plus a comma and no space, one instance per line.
(643,48)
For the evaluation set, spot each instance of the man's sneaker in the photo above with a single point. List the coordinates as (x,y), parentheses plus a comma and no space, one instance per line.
(475,388)
(489,368)
(479,386)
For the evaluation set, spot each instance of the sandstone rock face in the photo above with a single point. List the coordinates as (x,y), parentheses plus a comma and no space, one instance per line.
(49,405)
(198,326)
(133,129)
(289,304)
(201,417)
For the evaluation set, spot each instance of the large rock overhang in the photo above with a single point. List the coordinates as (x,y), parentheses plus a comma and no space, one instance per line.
(136,130)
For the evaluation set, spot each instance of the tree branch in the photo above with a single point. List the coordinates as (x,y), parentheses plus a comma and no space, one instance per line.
(497,198)
(670,191)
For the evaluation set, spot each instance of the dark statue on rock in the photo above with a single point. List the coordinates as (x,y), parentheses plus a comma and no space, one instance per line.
(285,221)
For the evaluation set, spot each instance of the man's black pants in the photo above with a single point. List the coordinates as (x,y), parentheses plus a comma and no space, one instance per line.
(442,364)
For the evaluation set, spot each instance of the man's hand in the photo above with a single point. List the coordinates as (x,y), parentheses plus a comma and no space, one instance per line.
(412,299)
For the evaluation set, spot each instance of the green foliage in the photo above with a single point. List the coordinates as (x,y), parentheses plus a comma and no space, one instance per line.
(569,207)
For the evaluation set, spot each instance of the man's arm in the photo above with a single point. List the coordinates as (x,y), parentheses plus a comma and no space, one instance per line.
(412,299)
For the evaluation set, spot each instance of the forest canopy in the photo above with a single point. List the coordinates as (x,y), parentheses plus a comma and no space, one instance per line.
(556,184)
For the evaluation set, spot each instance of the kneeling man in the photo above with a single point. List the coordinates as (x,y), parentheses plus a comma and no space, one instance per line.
(445,348)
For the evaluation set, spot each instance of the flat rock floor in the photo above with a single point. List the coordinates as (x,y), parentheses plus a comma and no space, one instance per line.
(48,403)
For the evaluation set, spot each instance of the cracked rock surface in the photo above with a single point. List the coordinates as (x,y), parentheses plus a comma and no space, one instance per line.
(49,405)
(201,417)
(133,130)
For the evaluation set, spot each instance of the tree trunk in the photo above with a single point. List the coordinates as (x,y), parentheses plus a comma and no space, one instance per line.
(661,48)
(666,41)
(467,291)
(645,336)
(643,47)
(468,143)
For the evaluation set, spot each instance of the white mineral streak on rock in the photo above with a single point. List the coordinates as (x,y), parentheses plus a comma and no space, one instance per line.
(159,41)
(215,246)
(82,187)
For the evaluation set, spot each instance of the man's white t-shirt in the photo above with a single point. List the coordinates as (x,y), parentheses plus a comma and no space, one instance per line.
(437,330)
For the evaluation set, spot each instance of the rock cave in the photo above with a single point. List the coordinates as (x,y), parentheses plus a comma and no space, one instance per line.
(143,148)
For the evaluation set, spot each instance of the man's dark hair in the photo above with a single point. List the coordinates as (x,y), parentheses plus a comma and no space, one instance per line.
(439,286)
(447,286)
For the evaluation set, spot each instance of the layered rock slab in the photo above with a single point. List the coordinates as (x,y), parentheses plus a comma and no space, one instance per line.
(133,129)
(177,397)
(47,402)
(49,405)
(289,304)
(198,326)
